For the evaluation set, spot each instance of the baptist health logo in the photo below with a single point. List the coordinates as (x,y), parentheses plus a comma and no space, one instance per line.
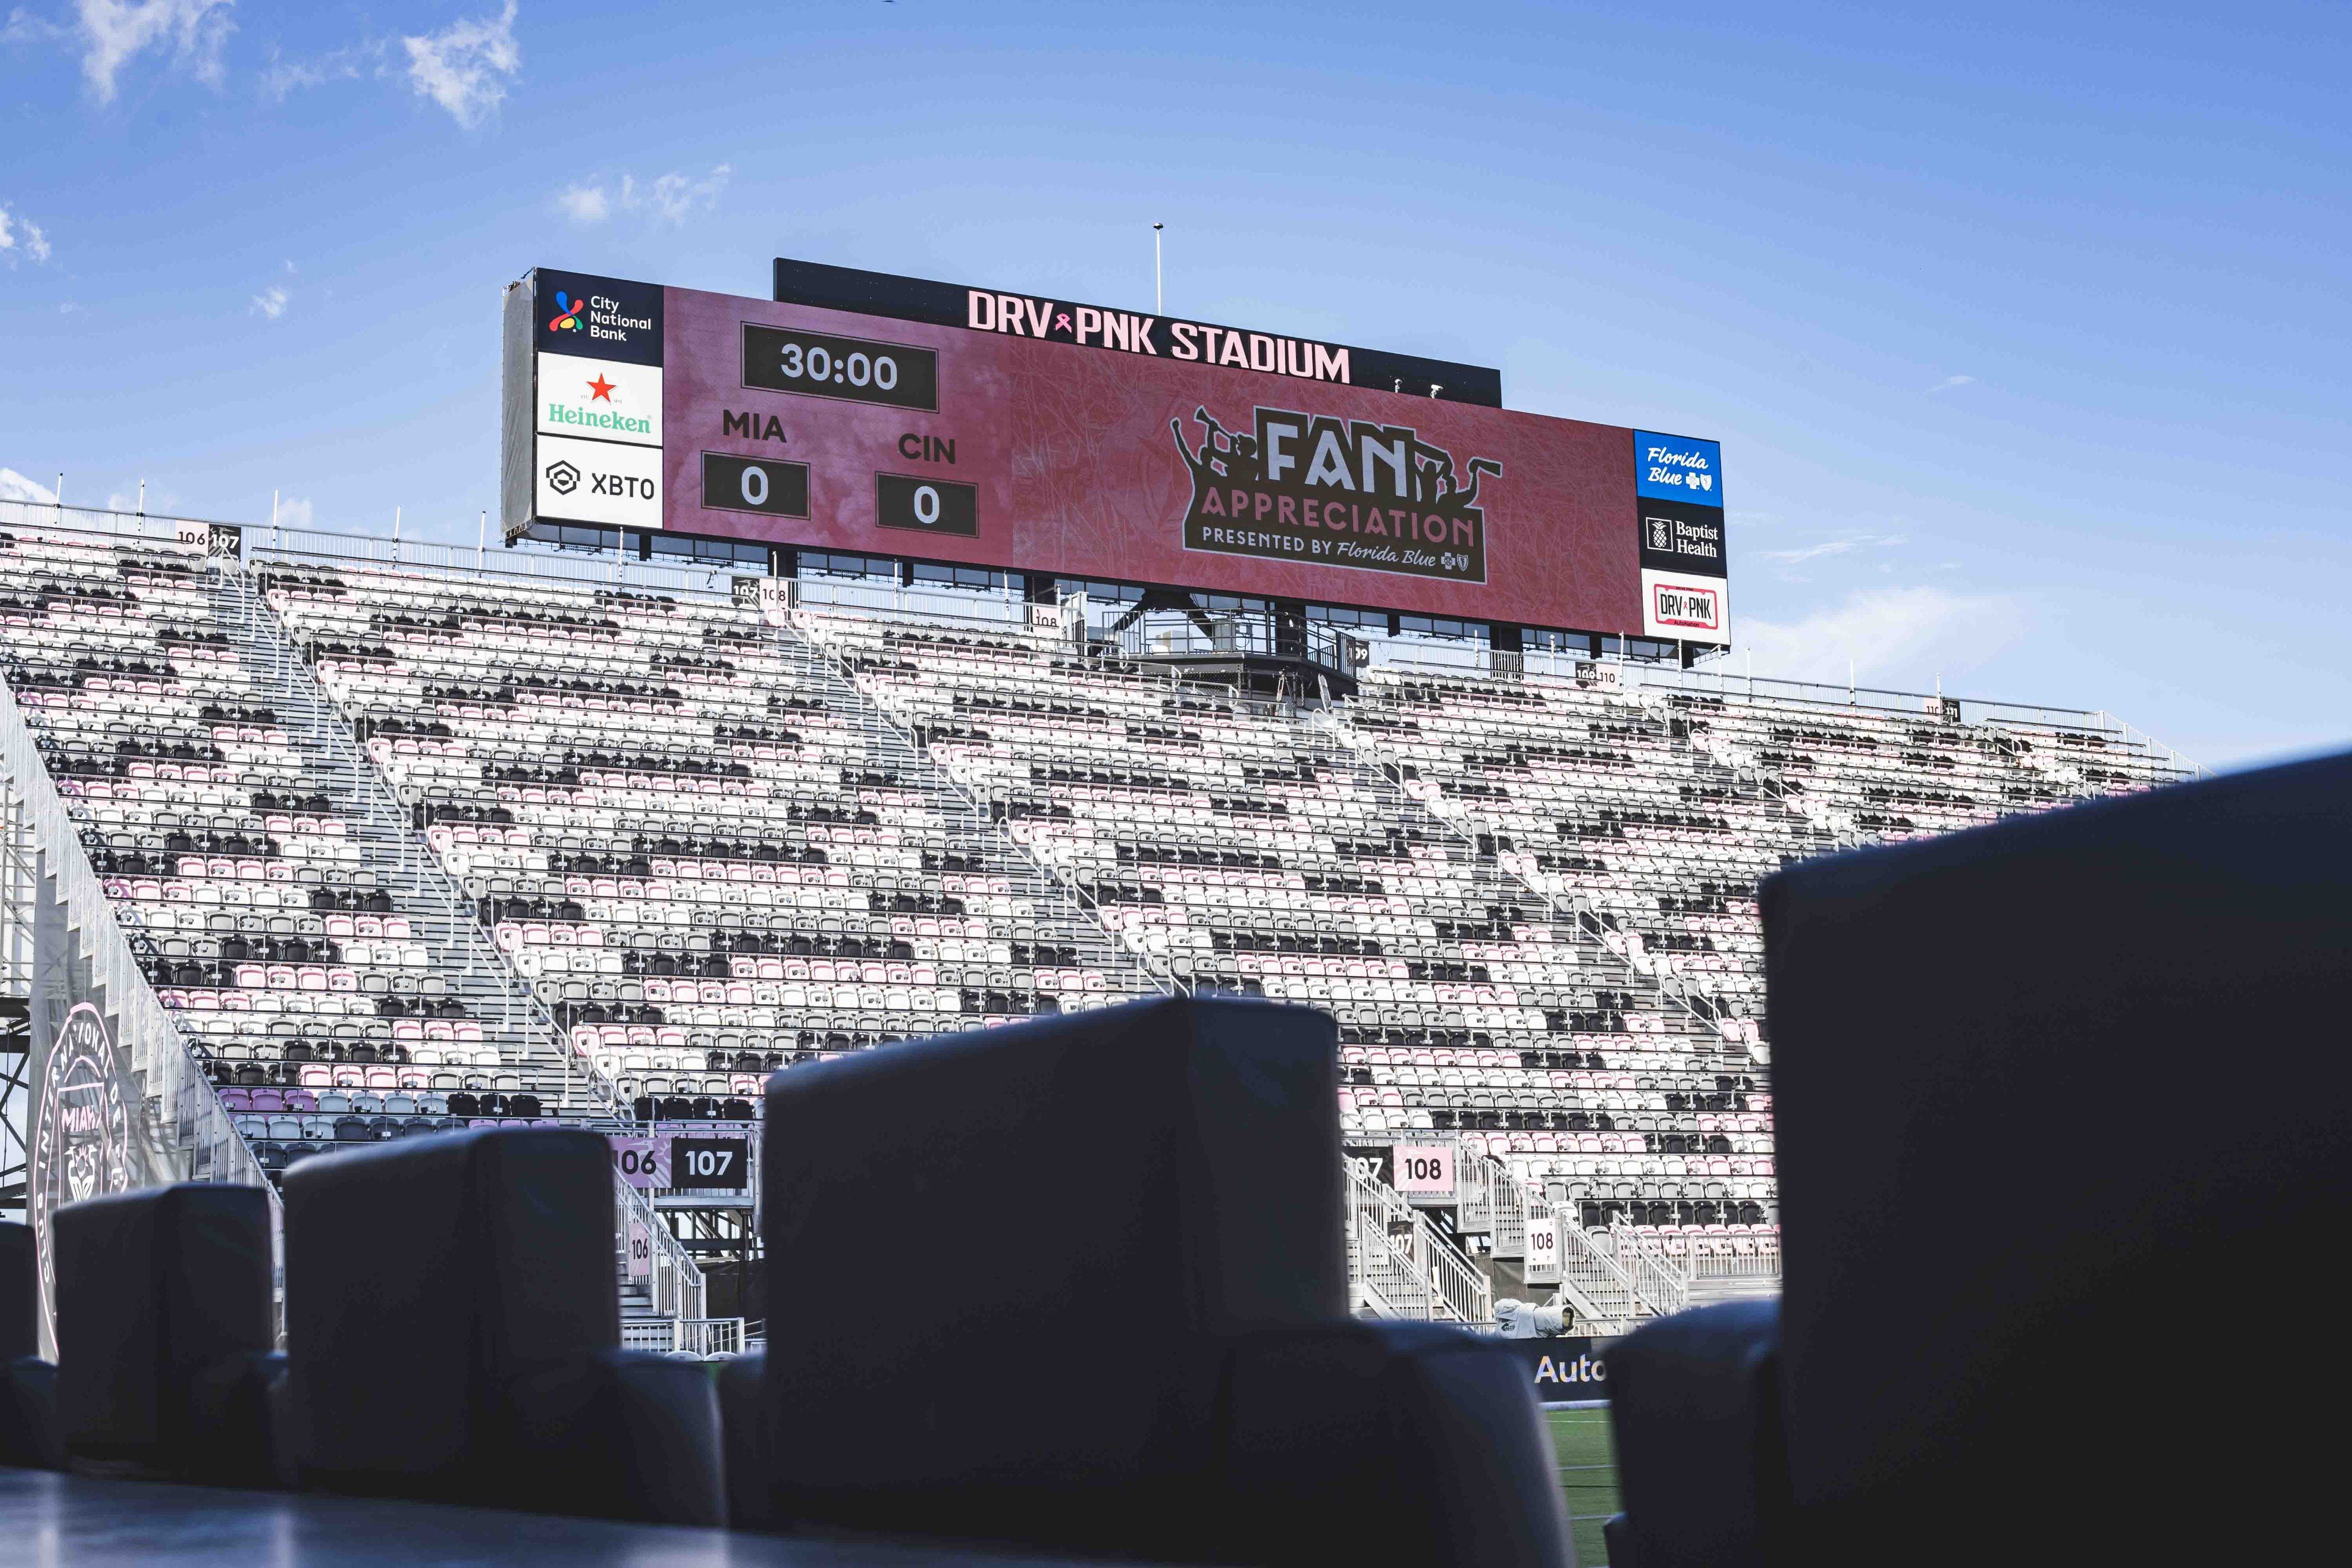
(568,316)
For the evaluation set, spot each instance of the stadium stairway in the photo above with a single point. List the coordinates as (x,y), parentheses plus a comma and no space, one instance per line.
(536,1061)
(1072,921)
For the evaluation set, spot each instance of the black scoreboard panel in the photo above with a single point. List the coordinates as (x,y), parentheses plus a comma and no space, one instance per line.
(1063,321)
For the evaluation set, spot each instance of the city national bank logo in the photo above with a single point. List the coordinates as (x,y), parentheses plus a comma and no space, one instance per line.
(80,1131)
(598,314)
(1332,492)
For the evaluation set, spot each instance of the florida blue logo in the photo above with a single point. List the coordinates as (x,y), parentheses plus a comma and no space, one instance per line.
(1677,468)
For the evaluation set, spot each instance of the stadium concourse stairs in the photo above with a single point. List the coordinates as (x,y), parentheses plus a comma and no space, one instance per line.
(449,846)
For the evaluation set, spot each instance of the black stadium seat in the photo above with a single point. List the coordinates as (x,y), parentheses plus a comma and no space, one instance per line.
(453,1325)
(29,1438)
(2008,1222)
(1163,1363)
(164,1332)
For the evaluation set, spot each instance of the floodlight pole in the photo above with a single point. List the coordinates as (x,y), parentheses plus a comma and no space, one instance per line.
(1159,299)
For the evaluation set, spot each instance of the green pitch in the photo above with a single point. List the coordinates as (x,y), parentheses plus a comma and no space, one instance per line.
(1588,1474)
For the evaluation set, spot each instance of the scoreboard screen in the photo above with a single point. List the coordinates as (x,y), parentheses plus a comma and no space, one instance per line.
(1086,443)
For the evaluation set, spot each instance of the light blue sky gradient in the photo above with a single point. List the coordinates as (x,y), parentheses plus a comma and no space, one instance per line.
(2023,327)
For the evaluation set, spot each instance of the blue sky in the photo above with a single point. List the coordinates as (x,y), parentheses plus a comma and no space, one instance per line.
(2024,327)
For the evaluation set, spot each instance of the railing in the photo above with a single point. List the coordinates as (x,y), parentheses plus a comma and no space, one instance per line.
(1662,1284)
(1385,770)
(1595,1284)
(1053,892)
(1399,1260)
(673,1281)
(1003,608)
(1176,635)
(688,1336)
(181,1128)
(321,730)
(1492,1200)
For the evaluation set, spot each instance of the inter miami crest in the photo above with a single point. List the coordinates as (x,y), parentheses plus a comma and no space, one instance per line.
(1335,492)
(81,1131)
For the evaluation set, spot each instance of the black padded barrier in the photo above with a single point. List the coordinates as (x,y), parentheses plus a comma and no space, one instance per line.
(2060,1102)
(1694,1409)
(29,1435)
(165,1329)
(1163,1175)
(453,1322)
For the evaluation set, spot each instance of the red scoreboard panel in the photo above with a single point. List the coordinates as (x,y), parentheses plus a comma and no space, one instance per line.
(1106,445)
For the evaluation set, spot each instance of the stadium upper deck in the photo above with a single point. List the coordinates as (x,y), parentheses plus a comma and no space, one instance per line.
(700,841)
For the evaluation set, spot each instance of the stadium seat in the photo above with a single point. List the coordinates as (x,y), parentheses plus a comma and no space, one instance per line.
(1983,1358)
(29,1438)
(1126,1375)
(165,1362)
(453,1325)
(1694,1408)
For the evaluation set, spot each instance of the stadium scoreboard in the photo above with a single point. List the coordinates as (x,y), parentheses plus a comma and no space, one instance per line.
(858,411)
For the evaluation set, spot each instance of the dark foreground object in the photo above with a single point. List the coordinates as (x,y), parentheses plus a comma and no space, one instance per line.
(77,1523)
(1183,1158)
(2042,1089)
(1164,1175)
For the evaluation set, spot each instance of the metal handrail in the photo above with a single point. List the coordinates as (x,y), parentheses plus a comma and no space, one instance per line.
(329,730)
(1595,1284)
(1386,1229)
(1662,1284)
(186,1125)
(677,1285)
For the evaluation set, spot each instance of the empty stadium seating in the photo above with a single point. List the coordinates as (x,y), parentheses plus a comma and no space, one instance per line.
(326,1009)
(712,844)
(674,823)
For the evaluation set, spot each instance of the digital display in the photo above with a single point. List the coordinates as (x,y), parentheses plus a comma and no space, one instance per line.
(854,370)
(931,505)
(754,484)
(1098,445)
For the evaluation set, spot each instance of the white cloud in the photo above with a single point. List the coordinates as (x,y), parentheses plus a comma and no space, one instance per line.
(14,487)
(584,203)
(114,32)
(676,197)
(1948,382)
(671,198)
(1894,636)
(32,246)
(23,27)
(284,76)
(463,67)
(1830,546)
(271,302)
(293,512)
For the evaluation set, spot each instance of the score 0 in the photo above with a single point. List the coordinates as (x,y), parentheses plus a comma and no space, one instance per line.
(926,505)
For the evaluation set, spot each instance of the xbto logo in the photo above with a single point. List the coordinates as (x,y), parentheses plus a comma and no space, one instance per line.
(563,477)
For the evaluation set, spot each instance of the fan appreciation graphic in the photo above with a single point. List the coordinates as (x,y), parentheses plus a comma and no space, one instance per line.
(1341,491)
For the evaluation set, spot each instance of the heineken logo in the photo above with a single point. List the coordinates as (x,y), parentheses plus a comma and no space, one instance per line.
(1325,491)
